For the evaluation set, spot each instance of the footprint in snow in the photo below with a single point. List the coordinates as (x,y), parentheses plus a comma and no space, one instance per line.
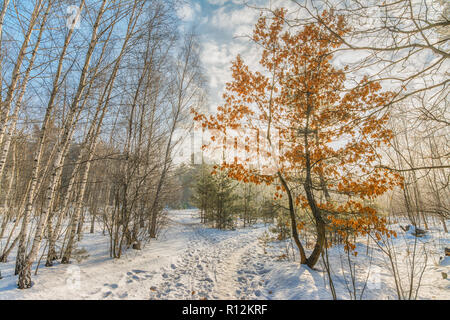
(139,271)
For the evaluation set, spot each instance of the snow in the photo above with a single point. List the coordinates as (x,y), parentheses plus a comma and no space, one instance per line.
(374,279)
(192,261)
(445,262)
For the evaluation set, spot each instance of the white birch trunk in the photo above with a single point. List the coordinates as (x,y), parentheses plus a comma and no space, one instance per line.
(6,105)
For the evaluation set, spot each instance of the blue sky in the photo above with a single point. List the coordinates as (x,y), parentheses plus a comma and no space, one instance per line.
(222,26)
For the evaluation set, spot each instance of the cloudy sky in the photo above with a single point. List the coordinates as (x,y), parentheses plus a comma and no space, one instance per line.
(222,26)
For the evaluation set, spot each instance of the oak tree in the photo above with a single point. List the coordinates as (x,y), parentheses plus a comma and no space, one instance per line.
(316,137)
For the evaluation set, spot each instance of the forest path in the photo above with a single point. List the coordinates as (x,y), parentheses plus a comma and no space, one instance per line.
(187,261)
(215,265)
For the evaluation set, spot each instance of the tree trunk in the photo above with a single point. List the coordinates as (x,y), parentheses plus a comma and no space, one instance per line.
(301,250)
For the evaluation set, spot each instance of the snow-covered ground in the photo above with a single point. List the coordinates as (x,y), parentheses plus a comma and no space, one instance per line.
(191,261)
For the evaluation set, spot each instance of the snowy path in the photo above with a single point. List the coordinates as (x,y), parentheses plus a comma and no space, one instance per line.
(188,261)
(214,266)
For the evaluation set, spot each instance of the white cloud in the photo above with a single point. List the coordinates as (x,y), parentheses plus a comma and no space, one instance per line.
(218,2)
(189,11)
(222,2)
(231,20)
(223,30)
